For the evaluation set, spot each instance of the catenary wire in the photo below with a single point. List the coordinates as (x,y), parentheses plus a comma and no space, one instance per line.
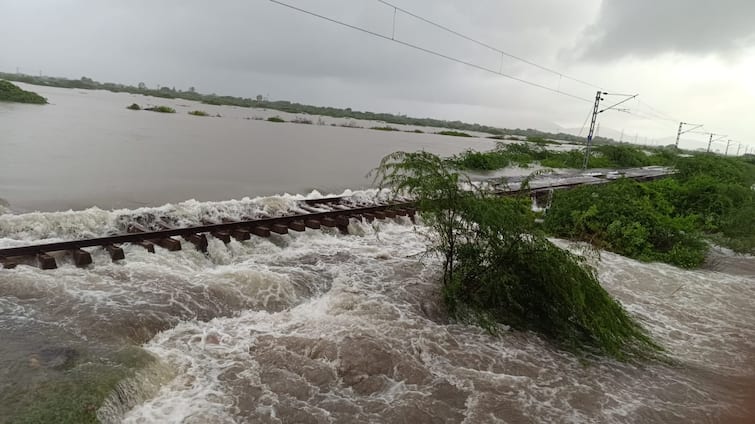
(429,51)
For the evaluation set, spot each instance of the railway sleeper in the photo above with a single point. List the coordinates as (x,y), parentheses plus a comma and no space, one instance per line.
(198,240)
(167,243)
(81,258)
(46,261)
(116,252)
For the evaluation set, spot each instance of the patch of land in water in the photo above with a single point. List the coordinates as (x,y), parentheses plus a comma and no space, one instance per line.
(10,92)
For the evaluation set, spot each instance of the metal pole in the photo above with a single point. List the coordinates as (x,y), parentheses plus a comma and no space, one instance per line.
(710,141)
(592,129)
(727,148)
(678,134)
(738,148)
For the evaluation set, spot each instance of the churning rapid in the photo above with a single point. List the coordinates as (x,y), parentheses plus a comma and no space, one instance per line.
(320,327)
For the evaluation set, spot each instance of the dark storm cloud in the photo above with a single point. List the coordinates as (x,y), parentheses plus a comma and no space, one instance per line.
(250,47)
(645,28)
(195,42)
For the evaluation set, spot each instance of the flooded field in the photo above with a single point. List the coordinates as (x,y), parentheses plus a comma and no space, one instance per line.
(312,327)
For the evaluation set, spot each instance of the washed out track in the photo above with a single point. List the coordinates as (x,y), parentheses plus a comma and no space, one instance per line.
(330,212)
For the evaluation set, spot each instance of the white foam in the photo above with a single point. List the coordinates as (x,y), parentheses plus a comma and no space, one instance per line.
(348,328)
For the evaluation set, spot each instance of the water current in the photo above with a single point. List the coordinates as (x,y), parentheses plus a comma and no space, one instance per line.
(320,327)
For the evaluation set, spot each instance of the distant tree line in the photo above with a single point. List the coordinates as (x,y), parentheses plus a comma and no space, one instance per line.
(285,106)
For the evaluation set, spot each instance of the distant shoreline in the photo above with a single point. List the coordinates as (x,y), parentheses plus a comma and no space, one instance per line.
(287,106)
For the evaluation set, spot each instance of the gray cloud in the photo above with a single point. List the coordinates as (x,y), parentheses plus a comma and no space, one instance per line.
(645,28)
(250,47)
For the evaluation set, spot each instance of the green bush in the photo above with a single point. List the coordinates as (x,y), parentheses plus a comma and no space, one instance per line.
(134,106)
(499,268)
(10,92)
(629,218)
(198,113)
(607,156)
(385,128)
(275,119)
(161,109)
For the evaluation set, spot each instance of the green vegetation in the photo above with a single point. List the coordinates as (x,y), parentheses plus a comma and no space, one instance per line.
(385,128)
(499,268)
(72,396)
(10,92)
(283,106)
(666,220)
(275,119)
(134,106)
(629,218)
(416,131)
(708,197)
(454,133)
(161,109)
(522,154)
(199,113)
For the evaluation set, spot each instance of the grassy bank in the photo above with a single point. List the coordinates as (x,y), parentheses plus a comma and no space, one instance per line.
(709,198)
(10,92)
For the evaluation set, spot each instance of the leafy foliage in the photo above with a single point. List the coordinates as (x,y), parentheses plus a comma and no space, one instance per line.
(10,92)
(499,268)
(134,106)
(275,119)
(604,156)
(628,218)
(664,220)
(198,113)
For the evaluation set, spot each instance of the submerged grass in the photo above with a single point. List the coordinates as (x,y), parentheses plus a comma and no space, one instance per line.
(499,268)
(73,395)
(161,109)
(198,113)
(454,133)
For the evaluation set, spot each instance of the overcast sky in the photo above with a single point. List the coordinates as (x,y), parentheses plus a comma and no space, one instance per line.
(691,60)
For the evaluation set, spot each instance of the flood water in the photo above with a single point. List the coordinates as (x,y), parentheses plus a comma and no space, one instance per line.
(312,327)
(86,149)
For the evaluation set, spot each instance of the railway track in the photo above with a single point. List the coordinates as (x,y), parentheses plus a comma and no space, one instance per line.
(330,212)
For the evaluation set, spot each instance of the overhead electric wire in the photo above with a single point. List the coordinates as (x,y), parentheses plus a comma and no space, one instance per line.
(429,51)
(486,45)
(651,114)
(658,112)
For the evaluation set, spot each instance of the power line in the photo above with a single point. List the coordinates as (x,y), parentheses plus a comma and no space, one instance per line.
(429,51)
(486,45)
(658,112)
